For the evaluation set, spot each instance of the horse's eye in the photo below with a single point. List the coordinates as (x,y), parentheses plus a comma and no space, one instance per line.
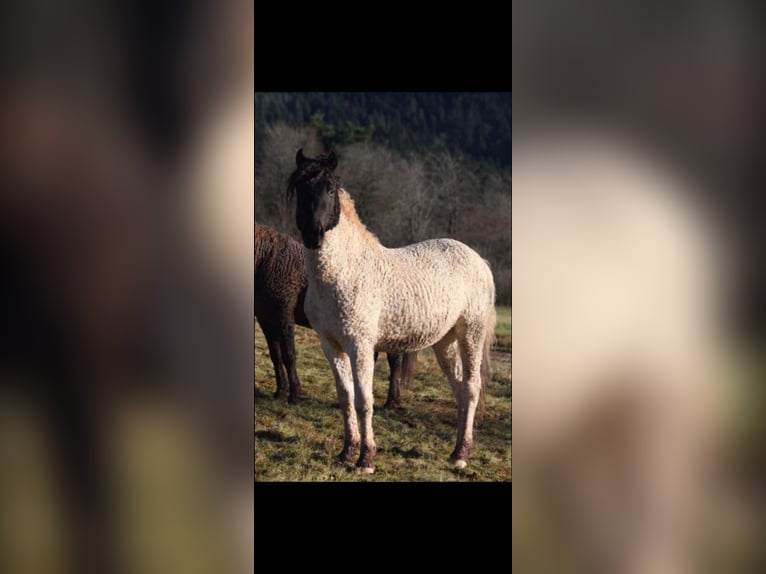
(332,191)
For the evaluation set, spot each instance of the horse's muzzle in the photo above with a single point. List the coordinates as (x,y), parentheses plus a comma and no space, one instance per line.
(313,238)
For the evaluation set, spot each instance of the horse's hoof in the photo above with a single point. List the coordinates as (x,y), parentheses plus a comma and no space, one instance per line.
(366,458)
(391,406)
(348,454)
(294,400)
(460,464)
(367,469)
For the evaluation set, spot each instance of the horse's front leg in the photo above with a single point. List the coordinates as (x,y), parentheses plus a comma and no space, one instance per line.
(275,352)
(362,358)
(344,385)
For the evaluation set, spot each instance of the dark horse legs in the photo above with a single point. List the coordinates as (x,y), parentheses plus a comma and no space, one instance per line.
(394,381)
(395,363)
(81,458)
(275,351)
(287,344)
(282,351)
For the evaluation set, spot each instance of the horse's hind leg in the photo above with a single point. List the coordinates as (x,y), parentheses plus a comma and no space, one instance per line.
(394,380)
(344,385)
(287,346)
(275,352)
(448,357)
(468,392)
(460,367)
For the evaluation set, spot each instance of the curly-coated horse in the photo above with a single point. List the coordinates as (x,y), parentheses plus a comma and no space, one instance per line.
(363,297)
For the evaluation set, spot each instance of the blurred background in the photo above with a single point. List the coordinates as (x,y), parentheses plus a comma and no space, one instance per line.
(126,162)
(638,249)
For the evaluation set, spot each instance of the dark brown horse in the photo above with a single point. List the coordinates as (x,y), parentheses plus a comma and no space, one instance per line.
(280,290)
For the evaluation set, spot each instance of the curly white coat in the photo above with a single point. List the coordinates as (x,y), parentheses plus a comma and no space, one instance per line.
(364,297)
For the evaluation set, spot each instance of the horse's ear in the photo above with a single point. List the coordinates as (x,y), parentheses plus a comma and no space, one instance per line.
(300,159)
(331,161)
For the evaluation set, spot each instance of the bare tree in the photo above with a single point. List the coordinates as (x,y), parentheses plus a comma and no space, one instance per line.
(393,193)
(419,201)
(455,182)
(363,172)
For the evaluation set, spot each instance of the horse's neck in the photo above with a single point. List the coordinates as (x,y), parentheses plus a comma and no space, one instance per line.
(344,249)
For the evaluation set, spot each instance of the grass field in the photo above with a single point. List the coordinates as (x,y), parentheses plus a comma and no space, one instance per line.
(503,329)
(299,443)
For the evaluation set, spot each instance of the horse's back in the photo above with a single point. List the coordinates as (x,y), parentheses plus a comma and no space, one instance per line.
(280,276)
(445,261)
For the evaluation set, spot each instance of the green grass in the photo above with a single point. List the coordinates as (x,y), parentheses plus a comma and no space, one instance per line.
(299,443)
(503,329)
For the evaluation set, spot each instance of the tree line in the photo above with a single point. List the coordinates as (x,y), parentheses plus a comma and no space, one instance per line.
(474,125)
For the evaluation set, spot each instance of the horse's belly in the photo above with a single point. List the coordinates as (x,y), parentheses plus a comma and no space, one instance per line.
(413,333)
(405,344)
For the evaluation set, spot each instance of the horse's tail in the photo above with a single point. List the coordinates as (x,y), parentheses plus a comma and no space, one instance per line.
(486,367)
(489,341)
(409,361)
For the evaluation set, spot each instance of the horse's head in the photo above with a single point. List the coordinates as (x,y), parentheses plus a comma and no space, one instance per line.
(316,187)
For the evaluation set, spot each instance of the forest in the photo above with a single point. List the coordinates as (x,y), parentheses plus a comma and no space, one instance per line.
(418,166)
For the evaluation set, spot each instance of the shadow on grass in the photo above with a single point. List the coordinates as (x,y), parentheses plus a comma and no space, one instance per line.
(465,473)
(273,436)
(411,453)
(306,403)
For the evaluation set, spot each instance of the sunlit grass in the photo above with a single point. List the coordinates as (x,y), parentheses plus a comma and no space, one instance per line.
(503,328)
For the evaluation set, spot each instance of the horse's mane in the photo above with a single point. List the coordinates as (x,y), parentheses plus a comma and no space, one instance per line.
(348,210)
